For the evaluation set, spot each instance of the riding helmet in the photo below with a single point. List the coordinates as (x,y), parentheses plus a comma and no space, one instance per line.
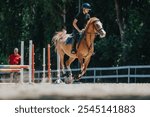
(86,5)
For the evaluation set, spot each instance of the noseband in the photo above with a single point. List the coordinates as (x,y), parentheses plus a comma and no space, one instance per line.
(98,30)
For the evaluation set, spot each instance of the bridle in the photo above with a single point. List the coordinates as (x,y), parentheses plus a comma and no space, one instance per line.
(97,30)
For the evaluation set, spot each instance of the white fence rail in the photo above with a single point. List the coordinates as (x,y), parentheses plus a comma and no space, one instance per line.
(127,72)
(95,74)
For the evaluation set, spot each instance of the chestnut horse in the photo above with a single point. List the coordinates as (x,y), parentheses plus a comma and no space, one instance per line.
(85,47)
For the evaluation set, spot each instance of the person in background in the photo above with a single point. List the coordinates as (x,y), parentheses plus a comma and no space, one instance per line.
(14,59)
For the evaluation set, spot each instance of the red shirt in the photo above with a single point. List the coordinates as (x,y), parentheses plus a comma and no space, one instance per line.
(14,59)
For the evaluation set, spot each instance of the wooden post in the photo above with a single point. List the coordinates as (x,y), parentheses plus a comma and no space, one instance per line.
(49,63)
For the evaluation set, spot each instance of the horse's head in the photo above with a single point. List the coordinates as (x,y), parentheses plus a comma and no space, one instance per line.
(95,26)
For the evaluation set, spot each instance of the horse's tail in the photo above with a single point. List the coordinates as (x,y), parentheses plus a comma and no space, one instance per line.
(60,36)
(56,38)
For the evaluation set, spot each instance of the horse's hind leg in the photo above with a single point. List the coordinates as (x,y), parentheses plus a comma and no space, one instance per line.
(68,63)
(61,54)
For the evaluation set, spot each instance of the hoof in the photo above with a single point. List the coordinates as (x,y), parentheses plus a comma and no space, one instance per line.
(77,77)
(66,75)
(69,80)
(63,75)
(59,81)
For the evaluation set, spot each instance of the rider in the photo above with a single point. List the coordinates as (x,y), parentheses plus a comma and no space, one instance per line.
(79,23)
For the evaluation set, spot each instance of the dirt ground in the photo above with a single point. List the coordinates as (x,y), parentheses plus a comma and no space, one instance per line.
(74,91)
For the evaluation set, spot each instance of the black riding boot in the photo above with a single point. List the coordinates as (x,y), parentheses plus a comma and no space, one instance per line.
(73,51)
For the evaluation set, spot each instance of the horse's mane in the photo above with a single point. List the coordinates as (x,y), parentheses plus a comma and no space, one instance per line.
(91,20)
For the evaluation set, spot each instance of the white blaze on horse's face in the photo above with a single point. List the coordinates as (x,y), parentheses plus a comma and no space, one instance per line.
(99,29)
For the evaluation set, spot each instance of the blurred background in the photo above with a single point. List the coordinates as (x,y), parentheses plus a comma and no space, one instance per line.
(127,23)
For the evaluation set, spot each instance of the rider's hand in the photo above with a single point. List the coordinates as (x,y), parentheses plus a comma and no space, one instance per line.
(83,30)
(80,31)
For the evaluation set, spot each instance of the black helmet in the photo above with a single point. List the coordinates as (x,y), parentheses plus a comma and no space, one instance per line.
(86,5)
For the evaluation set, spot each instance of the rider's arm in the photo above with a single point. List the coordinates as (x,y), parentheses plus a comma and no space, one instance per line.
(75,25)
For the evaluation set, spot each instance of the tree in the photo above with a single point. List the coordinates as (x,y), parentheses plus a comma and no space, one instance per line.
(120,18)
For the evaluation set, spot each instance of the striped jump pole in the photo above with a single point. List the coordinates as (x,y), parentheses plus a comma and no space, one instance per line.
(14,66)
(9,70)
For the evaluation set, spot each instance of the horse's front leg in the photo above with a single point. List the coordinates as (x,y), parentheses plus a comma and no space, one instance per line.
(84,66)
(81,61)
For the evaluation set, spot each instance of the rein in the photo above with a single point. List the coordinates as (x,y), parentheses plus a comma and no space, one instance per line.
(91,33)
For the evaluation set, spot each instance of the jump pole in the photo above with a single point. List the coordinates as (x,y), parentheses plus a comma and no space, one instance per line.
(49,63)
(22,61)
(58,66)
(33,69)
(58,81)
(30,61)
(14,66)
(43,63)
(9,70)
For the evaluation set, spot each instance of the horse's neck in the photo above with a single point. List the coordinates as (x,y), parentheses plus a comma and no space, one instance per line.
(89,38)
(90,35)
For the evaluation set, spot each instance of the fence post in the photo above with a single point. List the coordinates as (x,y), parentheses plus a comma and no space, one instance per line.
(117,75)
(128,74)
(94,75)
(135,74)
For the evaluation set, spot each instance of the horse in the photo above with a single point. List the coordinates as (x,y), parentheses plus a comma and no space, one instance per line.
(85,47)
